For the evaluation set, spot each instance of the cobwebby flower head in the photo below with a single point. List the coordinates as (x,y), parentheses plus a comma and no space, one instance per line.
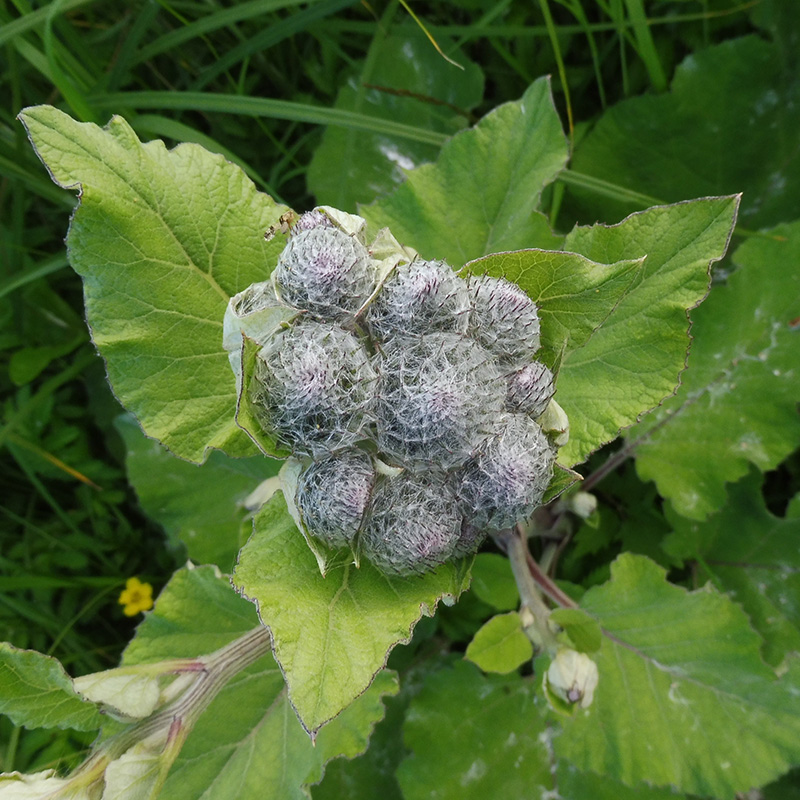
(437,397)
(413,526)
(326,272)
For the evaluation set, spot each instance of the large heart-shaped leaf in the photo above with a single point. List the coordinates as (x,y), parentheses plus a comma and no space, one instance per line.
(162,239)
(684,699)
(482,194)
(634,360)
(331,634)
(737,404)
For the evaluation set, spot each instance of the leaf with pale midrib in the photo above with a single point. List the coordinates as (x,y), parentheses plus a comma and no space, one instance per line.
(248,744)
(331,634)
(684,698)
(162,239)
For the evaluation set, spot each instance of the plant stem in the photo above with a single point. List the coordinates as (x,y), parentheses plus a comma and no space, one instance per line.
(175,721)
(537,630)
(547,585)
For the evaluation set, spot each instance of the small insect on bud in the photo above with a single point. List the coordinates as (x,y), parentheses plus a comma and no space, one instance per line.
(413,524)
(530,389)
(508,478)
(437,398)
(420,297)
(314,385)
(504,319)
(332,495)
(324,271)
(572,677)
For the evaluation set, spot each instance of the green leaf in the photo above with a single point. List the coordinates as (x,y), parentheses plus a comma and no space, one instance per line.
(331,634)
(684,699)
(738,401)
(475,736)
(583,631)
(162,239)
(403,78)
(574,785)
(563,478)
(728,125)
(755,556)
(500,645)
(36,692)
(493,582)
(574,295)
(369,775)
(634,360)
(482,194)
(202,506)
(248,745)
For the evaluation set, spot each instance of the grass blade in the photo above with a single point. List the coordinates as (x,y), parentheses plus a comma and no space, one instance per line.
(265,107)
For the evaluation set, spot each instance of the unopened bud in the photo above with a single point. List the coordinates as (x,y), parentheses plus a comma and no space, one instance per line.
(573,677)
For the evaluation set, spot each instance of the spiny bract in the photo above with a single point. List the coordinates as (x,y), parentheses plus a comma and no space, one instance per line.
(530,389)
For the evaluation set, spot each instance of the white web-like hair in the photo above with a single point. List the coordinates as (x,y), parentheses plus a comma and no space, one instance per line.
(508,479)
(326,272)
(254,298)
(332,495)
(438,395)
(315,387)
(470,539)
(420,297)
(504,319)
(530,389)
(311,219)
(412,526)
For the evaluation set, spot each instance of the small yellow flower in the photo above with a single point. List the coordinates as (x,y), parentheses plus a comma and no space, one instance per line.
(136,597)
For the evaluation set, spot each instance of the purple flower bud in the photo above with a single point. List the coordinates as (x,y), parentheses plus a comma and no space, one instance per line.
(332,495)
(412,526)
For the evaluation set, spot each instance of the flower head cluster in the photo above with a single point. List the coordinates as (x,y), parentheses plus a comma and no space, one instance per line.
(409,393)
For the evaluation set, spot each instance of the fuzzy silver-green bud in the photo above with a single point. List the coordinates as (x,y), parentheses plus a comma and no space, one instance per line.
(418,298)
(332,495)
(413,525)
(506,481)
(324,271)
(437,397)
(504,319)
(314,386)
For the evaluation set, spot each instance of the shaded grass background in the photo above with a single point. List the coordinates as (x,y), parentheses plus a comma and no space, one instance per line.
(259,82)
